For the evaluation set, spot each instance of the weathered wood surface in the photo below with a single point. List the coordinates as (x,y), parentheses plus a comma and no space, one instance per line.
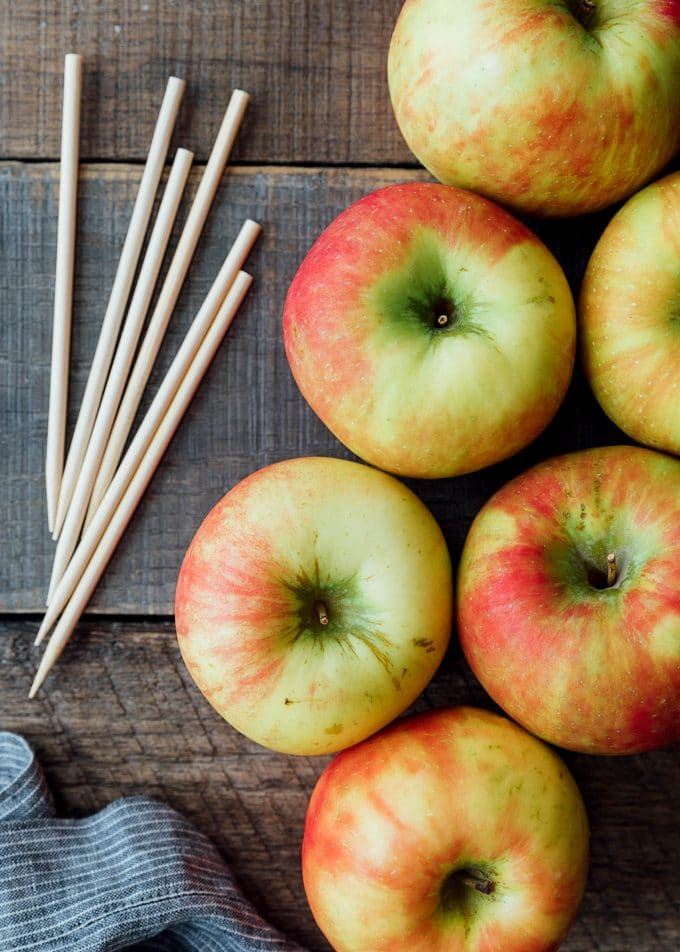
(316,72)
(122,717)
(248,412)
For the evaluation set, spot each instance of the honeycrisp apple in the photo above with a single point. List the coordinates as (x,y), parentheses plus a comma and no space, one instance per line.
(630,317)
(569,599)
(430,331)
(453,831)
(555,107)
(314,603)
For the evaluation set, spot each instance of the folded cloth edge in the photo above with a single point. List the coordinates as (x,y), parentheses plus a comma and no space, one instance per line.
(136,875)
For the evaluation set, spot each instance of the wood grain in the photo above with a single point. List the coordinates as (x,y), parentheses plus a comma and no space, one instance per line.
(122,717)
(248,412)
(316,73)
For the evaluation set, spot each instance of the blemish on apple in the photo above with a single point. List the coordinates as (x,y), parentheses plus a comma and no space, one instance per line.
(425,643)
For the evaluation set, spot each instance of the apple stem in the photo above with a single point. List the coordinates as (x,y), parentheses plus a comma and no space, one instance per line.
(477,881)
(442,320)
(321,612)
(611,569)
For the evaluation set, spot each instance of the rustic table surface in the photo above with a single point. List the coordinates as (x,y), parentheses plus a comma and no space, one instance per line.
(120,716)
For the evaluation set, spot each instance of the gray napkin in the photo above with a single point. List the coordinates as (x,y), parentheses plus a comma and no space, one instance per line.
(137,876)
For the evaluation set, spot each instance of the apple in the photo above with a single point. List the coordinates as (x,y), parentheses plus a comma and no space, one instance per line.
(314,603)
(431,331)
(453,830)
(569,599)
(629,311)
(551,108)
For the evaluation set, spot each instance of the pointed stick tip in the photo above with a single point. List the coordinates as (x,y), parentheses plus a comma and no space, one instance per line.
(59,517)
(45,626)
(51,516)
(44,669)
(39,638)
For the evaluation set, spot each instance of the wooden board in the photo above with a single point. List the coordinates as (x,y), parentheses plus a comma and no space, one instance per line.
(122,717)
(316,73)
(248,412)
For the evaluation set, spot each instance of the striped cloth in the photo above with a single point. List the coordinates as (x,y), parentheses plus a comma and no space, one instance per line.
(136,875)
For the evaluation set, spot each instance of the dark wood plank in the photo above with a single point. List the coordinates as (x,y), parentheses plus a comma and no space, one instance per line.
(316,72)
(248,412)
(120,716)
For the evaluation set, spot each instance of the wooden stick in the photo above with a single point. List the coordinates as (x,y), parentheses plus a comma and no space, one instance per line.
(154,415)
(120,368)
(63,281)
(169,293)
(115,309)
(135,489)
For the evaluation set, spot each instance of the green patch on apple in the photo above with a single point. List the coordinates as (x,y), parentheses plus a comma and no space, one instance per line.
(425,295)
(466,888)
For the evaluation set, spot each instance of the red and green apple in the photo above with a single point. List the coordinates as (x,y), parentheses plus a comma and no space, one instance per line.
(314,603)
(555,108)
(453,830)
(629,310)
(569,599)
(431,331)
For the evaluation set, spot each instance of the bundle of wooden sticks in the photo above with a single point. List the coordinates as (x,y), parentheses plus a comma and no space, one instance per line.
(92,497)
